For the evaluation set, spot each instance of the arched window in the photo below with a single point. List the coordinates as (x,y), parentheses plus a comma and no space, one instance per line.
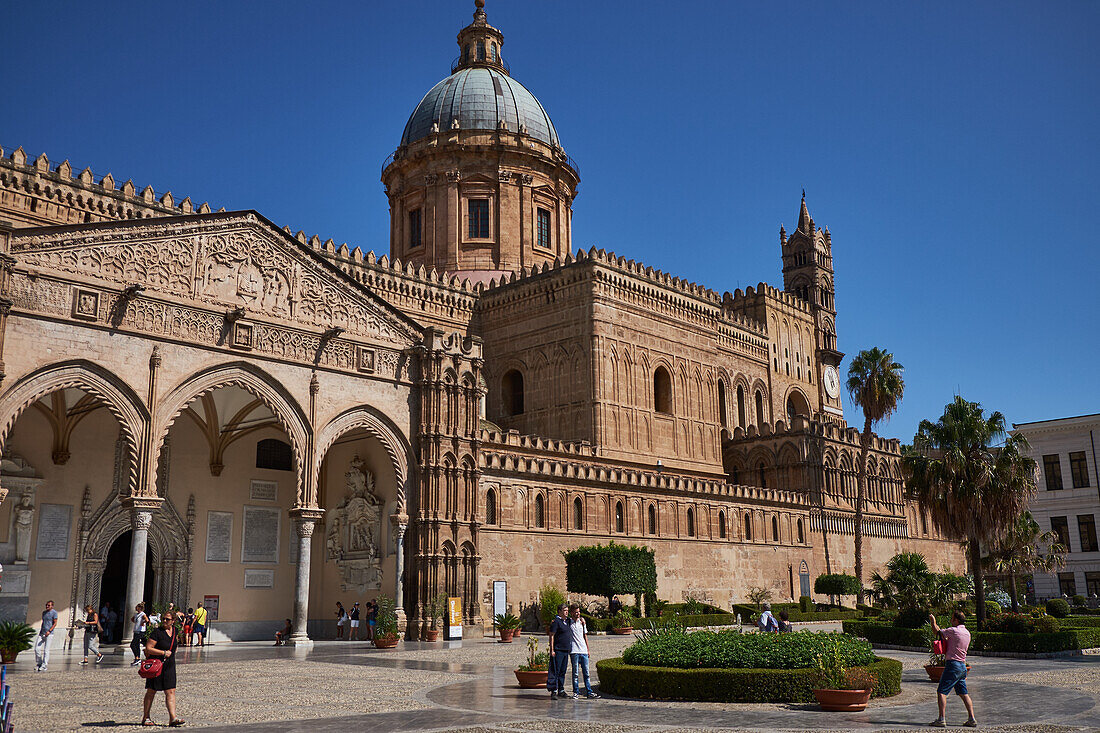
(540,511)
(923,522)
(481,50)
(761,471)
(619,516)
(691,523)
(652,519)
(735,475)
(662,391)
(748,526)
(511,388)
(796,405)
(466,53)
(722,525)
(578,514)
(493,48)
(722,403)
(274,454)
(491,507)
(760,417)
(775,530)
(801,533)
(741,406)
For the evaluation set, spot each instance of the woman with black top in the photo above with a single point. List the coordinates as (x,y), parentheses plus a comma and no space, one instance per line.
(162,644)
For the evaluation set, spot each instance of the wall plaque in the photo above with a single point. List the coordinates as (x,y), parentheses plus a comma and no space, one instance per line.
(54,524)
(219,536)
(259,578)
(263,490)
(261,534)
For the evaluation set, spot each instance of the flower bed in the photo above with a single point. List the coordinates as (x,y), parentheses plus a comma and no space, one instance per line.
(730,685)
(982,641)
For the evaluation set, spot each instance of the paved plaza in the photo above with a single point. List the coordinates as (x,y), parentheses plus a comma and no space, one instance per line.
(469,687)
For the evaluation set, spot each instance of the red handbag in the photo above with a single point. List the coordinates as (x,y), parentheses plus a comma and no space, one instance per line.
(150,668)
(939,647)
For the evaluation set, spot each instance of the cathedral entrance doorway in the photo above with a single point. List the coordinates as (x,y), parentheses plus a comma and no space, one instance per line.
(112,590)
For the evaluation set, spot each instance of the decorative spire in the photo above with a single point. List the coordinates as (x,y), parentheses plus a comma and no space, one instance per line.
(479,43)
(805,223)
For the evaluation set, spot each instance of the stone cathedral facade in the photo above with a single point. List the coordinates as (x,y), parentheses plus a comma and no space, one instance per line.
(198,405)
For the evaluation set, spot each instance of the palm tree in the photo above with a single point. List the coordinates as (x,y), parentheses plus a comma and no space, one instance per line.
(1020,551)
(971,487)
(876,387)
(910,579)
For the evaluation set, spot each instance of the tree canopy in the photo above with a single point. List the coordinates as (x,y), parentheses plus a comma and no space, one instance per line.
(610,570)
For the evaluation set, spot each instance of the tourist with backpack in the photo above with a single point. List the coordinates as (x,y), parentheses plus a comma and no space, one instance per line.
(92,630)
(767,623)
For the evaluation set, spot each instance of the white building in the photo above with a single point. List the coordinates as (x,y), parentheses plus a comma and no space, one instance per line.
(1068,499)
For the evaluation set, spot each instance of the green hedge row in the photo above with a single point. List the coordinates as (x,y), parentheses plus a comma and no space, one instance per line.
(748,612)
(729,685)
(729,649)
(982,641)
(1079,622)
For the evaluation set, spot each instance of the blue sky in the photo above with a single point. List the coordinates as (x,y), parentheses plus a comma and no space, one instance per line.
(951,148)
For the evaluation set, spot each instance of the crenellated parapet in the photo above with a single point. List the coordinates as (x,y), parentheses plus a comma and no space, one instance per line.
(34,194)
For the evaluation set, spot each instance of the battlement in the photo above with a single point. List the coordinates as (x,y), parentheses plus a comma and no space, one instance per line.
(40,195)
(800,425)
(751,297)
(531,454)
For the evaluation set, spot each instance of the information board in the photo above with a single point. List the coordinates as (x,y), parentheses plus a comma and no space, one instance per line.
(500,597)
(210,603)
(454,618)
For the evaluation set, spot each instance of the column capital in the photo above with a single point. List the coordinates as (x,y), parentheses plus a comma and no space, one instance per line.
(310,514)
(400,520)
(141,503)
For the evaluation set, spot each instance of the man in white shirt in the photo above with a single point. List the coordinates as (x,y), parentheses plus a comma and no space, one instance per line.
(578,652)
(767,622)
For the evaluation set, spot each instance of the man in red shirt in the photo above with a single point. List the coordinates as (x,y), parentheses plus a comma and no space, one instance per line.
(957,640)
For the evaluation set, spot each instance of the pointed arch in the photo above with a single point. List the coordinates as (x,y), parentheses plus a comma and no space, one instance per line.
(376,425)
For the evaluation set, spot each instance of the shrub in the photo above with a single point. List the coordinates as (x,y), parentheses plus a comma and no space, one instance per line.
(1079,600)
(1012,623)
(730,649)
(550,597)
(536,661)
(1039,642)
(836,584)
(16,636)
(1078,622)
(992,608)
(1057,607)
(1047,625)
(805,604)
(912,618)
(386,618)
(610,570)
(730,685)
(683,609)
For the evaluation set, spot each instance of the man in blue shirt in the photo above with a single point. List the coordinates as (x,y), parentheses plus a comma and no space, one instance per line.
(561,637)
(42,643)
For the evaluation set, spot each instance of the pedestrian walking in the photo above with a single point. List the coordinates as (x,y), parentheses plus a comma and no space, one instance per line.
(578,652)
(956,639)
(353,634)
(42,643)
(92,628)
(188,628)
(162,644)
(561,640)
(341,619)
(372,618)
(767,623)
(141,621)
(198,628)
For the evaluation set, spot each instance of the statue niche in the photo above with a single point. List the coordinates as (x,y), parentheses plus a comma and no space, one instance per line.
(355,532)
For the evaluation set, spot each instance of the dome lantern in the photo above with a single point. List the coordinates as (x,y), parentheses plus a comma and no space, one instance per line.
(479,44)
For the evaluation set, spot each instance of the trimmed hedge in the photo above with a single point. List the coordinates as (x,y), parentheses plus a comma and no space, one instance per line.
(610,570)
(729,685)
(1079,622)
(749,612)
(730,649)
(982,641)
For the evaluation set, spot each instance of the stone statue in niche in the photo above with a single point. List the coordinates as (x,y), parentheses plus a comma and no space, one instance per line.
(353,538)
(24,520)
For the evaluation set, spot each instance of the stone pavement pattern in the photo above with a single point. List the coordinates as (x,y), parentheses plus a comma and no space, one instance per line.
(422,687)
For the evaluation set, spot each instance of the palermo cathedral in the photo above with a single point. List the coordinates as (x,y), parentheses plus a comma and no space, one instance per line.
(199,406)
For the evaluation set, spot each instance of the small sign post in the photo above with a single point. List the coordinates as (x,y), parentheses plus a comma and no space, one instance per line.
(454,618)
(500,600)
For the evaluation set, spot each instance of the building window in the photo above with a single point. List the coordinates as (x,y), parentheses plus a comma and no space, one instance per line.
(801,533)
(619,516)
(748,527)
(652,519)
(662,391)
(1086,525)
(775,530)
(466,53)
(578,514)
(540,511)
(415,231)
(1067,585)
(691,523)
(741,406)
(722,525)
(511,387)
(481,50)
(923,522)
(1079,470)
(1052,469)
(478,210)
(544,228)
(1092,584)
(274,454)
(760,420)
(493,48)
(491,507)
(721,403)
(761,471)
(1060,527)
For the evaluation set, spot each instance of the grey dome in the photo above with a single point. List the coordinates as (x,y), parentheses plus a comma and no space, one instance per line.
(480,98)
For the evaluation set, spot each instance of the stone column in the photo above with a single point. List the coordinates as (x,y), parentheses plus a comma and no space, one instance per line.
(304,522)
(400,524)
(141,519)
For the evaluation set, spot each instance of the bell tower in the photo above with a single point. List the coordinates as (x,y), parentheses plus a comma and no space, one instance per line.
(808,274)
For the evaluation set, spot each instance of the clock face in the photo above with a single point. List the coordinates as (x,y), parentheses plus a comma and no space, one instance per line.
(832,382)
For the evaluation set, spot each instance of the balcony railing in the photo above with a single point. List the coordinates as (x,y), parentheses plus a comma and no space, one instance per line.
(499,63)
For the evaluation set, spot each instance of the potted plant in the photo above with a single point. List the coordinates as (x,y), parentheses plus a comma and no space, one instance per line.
(437,606)
(622,623)
(934,668)
(507,624)
(532,675)
(842,690)
(385,626)
(15,637)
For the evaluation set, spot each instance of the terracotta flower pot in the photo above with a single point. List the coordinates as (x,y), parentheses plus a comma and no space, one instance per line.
(843,701)
(531,680)
(934,673)
(622,630)
(431,635)
(7,656)
(387,643)
(506,635)
(517,633)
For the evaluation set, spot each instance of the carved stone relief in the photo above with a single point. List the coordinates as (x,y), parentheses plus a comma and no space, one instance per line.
(354,538)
